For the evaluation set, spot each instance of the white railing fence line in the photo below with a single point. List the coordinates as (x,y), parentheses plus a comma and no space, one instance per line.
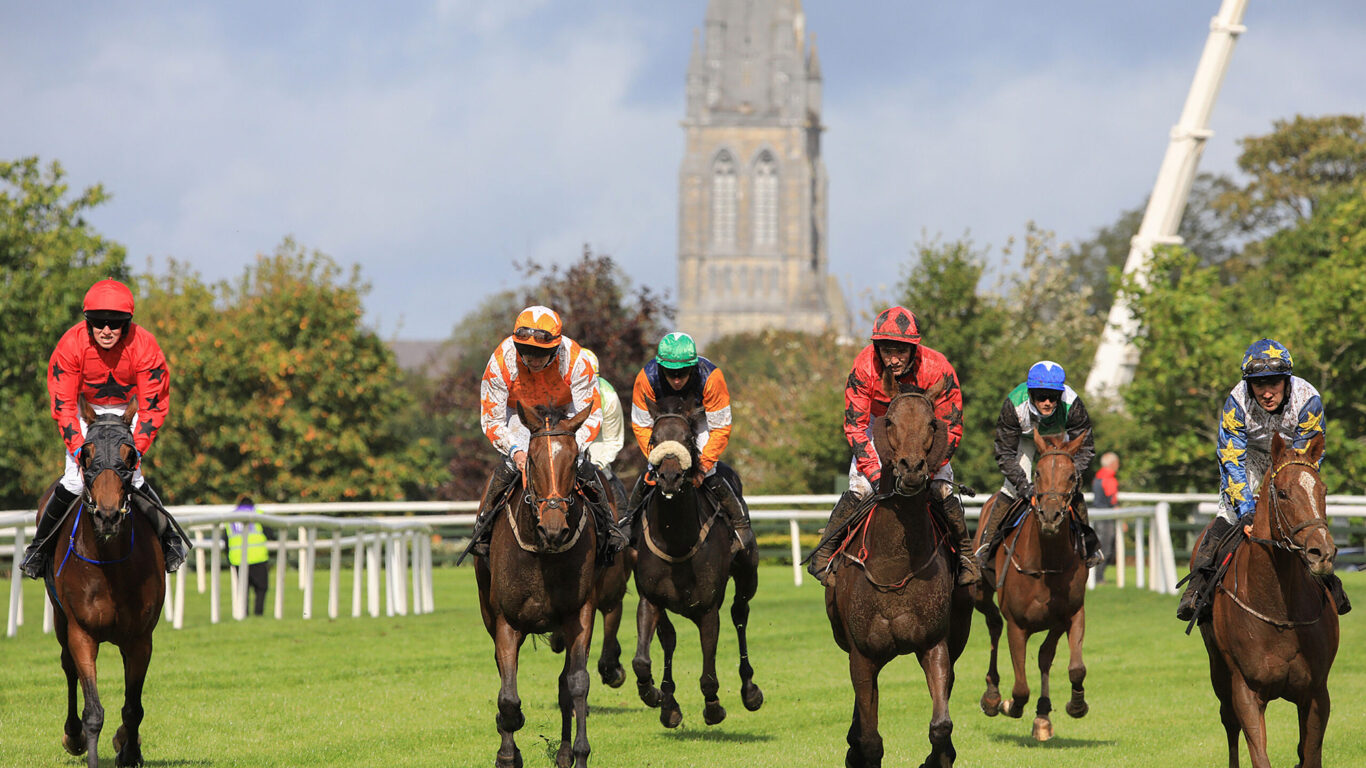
(389,539)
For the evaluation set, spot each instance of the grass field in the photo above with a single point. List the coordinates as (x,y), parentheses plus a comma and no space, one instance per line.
(420,691)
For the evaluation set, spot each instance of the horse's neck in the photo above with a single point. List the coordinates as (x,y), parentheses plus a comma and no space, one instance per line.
(1270,573)
(1053,550)
(902,524)
(679,519)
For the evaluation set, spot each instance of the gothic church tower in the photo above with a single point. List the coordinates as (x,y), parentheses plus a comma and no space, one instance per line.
(752,186)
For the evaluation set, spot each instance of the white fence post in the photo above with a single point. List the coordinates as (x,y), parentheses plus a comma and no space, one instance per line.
(334,575)
(427,600)
(796,552)
(1140,567)
(199,558)
(1162,523)
(372,577)
(281,565)
(311,542)
(16,587)
(1120,555)
(358,574)
(215,558)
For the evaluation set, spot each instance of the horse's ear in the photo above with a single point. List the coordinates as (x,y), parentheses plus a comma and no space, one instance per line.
(85,409)
(130,412)
(653,407)
(889,382)
(1314,450)
(521,416)
(938,388)
(1075,443)
(575,421)
(1038,441)
(1278,446)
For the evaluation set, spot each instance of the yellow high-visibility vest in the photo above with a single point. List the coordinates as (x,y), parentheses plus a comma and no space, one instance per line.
(256,543)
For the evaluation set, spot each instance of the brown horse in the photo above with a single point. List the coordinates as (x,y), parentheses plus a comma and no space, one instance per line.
(683,563)
(1274,630)
(611,587)
(1042,582)
(541,576)
(904,598)
(108,584)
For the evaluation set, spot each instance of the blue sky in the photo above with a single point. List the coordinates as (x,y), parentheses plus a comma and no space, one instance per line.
(432,143)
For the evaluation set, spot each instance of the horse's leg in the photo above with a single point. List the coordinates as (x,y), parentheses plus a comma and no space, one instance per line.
(1076,668)
(1251,712)
(1018,640)
(578,636)
(991,698)
(669,713)
(1043,727)
(647,618)
(709,629)
(609,663)
(127,741)
(73,733)
(84,650)
(1313,723)
(507,641)
(938,668)
(746,575)
(1222,681)
(865,745)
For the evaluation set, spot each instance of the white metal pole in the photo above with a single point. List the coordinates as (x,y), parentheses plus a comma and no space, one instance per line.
(281,565)
(16,587)
(49,621)
(303,556)
(334,574)
(1140,567)
(427,573)
(390,567)
(372,577)
(215,558)
(199,559)
(415,550)
(1120,555)
(1116,357)
(167,606)
(796,532)
(358,574)
(244,568)
(1164,541)
(178,618)
(311,546)
(233,581)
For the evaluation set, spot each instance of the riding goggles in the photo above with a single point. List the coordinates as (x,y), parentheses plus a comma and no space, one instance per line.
(538,334)
(1261,365)
(100,320)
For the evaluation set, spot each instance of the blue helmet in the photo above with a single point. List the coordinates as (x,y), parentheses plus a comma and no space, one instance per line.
(1046,374)
(1266,357)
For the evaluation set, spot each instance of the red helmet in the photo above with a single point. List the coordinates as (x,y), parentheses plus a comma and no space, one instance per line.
(896,324)
(108,295)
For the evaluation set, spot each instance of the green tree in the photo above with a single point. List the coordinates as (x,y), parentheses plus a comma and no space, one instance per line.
(279,390)
(49,257)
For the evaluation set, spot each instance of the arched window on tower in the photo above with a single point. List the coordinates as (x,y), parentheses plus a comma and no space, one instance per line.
(723,200)
(765,201)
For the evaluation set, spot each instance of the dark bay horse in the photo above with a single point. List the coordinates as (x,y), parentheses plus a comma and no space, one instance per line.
(1042,580)
(683,564)
(903,596)
(1274,630)
(107,581)
(541,576)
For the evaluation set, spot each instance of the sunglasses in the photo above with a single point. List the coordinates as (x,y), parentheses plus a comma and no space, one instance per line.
(1046,396)
(1262,365)
(542,336)
(112,323)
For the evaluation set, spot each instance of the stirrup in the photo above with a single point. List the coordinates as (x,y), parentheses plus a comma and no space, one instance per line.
(173,551)
(35,564)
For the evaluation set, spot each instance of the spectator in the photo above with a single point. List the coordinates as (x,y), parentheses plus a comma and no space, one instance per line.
(258,566)
(1106,490)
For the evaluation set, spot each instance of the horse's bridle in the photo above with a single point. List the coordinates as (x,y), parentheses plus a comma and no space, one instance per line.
(538,503)
(105,435)
(1067,495)
(687,422)
(890,403)
(1282,538)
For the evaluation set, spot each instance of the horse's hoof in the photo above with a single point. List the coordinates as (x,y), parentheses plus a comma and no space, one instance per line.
(751,697)
(613,678)
(73,746)
(1043,729)
(670,718)
(509,762)
(991,705)
(713,713)
(565,757)
(1009,709)
(651,696)
(1077,708)
(556,643)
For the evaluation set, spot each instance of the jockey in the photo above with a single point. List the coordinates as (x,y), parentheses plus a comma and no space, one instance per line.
(107,359)
(605,447)
(1044,402)
(537,366)
(1268,400)
(896,346)
(678,370)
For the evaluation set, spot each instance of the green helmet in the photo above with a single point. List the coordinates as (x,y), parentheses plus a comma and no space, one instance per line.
(676,350)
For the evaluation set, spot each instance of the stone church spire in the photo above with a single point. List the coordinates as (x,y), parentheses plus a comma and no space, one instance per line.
(752,184)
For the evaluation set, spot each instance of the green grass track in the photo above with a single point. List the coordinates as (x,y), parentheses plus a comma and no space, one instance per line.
(420,691)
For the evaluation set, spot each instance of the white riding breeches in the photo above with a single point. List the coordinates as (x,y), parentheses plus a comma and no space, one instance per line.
(71,476)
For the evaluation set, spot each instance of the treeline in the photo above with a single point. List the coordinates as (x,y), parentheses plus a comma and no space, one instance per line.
(280,390)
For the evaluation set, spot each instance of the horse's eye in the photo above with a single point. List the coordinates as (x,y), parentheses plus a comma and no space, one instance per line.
(1282,494)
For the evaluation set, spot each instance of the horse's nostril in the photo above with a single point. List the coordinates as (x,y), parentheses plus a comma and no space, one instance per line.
(1315,553)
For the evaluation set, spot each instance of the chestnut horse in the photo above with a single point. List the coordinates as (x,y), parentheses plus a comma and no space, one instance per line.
(108,583)
(683,563)
(1274,629)
(904,598)
(540,576)
(1042,587)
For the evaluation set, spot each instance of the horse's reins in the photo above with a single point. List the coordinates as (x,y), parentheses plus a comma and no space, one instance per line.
(538,502)
(98,436)
(1284,541)
(706,524)
(1067,495)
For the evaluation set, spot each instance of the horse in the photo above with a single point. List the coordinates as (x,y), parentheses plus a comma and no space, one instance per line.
(683,564)
(1041,587)
(108,584)
(1273,631)
(541,576)
(904,596)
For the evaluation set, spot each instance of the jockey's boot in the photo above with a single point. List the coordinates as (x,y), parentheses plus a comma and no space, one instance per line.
(952,510)
(174,546)
(819,564)
(1333,584)
(607,529)
(989,525)
(735,512)
(36,557)
(1202,566)
(1090,540)
(504,475)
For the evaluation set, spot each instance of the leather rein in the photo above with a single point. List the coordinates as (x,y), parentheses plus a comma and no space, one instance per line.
(1067,496)
(539,503)
(702,534)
